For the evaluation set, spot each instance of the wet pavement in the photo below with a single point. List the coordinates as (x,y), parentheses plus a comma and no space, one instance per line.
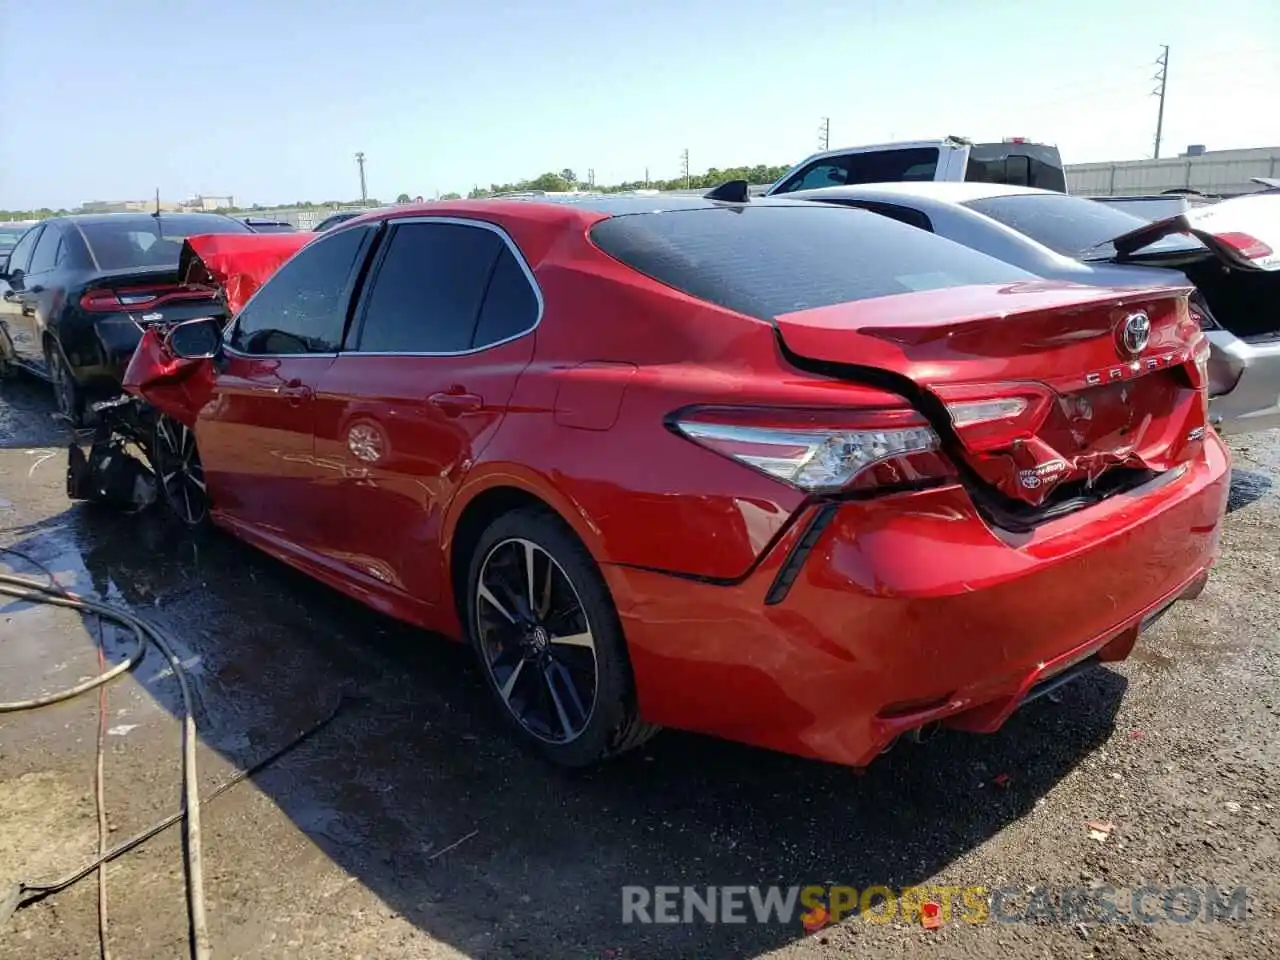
(345,846)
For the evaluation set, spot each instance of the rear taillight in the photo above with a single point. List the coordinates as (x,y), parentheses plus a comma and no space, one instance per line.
(993,416)
(106,300)
(1247,245)
(822,451)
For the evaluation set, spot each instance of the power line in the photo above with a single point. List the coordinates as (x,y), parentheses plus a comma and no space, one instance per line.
(1163,77)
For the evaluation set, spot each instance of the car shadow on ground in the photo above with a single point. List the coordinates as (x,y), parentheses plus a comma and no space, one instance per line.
(417,760)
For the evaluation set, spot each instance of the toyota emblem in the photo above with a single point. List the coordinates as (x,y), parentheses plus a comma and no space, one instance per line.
(1135,332)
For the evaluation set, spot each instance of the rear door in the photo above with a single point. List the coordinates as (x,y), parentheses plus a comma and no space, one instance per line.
(440,335)
(255,434)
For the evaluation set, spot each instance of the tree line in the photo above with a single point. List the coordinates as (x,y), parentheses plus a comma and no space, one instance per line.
(551,182)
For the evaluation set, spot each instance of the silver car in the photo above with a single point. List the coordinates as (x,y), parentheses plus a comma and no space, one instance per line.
(1229,250)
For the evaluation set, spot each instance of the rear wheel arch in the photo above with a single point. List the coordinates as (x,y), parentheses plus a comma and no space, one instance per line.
(475,515)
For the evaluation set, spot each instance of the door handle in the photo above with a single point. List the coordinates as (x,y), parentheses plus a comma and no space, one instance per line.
(453,404)
(295,391)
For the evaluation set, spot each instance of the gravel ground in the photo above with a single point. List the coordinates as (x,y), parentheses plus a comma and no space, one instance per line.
(344,848)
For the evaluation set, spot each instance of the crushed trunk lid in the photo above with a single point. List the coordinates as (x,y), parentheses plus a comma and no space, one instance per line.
(1032,387)
(1243,232)
(236,264)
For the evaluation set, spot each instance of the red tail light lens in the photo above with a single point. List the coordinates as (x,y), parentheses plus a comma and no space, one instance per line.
(1248,246)
(993,416)
(822,451)
(107,300)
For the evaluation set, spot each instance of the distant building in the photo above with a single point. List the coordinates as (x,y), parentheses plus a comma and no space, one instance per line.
(124,206)
(202,204)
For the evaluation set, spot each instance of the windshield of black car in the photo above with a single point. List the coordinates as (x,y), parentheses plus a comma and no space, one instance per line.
(146,241)
(1073,226)
(765,260)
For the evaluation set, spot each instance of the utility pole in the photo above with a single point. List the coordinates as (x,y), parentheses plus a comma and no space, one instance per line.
(364,192)
(824,133)
(1163,77)
(646,178)
(684,164)
(591,177)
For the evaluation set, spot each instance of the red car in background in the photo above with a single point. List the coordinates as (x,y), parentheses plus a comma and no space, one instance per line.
(798,476)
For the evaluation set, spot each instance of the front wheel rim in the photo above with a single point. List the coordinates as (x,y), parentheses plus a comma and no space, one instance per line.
(62,384)
(536,641)
(179,470)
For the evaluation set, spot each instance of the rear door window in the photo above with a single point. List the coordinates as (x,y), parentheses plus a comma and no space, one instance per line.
(771,259)
(874,166)
(427,291)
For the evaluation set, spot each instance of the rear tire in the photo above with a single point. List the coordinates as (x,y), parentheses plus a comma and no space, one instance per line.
(65,388)
(549,641)
(179,473)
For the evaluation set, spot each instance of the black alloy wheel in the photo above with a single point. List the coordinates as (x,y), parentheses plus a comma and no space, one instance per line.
(65,389)
(547,635)
(179,473)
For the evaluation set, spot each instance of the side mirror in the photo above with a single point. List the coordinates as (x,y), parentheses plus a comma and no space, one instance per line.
(195,339)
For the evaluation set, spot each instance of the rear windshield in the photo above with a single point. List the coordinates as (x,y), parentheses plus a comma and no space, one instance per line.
(147,242)
(769,260)
(1072,226)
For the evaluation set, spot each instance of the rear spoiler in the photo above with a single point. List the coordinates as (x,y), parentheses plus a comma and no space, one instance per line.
(238,264)
(1242,232)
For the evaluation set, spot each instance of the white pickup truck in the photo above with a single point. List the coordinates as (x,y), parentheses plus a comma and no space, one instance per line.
(1013,161)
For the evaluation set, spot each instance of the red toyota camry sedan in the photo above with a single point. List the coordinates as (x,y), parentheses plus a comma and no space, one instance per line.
(789,474)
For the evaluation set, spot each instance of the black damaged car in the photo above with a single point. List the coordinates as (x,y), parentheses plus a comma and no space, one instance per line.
(81,287)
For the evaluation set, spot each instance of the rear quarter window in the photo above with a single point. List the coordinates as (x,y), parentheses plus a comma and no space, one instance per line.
(770,260)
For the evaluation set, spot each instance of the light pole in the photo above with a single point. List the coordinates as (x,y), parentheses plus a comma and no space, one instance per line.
(364,193)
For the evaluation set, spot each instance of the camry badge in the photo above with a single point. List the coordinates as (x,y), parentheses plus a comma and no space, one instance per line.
(1135,332)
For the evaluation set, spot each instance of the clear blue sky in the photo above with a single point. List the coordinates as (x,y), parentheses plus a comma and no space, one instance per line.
(269,100)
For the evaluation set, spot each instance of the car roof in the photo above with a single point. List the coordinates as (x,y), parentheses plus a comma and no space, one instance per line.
(580,209)
(131,217)
(946,191)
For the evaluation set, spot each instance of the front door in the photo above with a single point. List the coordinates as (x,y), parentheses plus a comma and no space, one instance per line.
(13,309)
(436,345)
(255,432)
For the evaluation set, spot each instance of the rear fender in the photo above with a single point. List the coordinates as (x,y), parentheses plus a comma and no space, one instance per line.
(176,387)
